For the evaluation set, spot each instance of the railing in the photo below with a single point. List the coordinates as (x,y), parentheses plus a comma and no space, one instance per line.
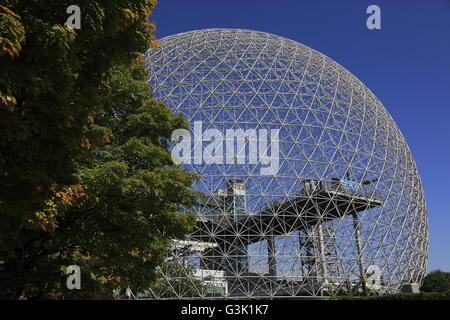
(312,186)
(309,187)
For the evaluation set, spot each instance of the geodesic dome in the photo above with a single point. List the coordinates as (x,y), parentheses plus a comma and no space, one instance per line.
(319,187)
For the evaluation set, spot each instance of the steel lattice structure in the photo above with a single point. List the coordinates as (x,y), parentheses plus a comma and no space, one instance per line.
(347,194)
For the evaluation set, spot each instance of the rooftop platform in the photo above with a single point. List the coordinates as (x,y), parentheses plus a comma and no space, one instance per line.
(313,205)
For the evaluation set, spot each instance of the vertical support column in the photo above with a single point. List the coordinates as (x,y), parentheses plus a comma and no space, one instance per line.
(322,256)
(300,250)
(272,261)
(358,244)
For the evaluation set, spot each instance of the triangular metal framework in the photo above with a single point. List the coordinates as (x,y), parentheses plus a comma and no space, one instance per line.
(305,230)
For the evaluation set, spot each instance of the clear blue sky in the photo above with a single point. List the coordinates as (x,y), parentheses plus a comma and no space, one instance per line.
(406,65)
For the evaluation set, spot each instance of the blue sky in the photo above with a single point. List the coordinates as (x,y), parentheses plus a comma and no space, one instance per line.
(406,65)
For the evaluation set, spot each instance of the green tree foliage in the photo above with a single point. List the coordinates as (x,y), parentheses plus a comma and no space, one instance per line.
(50,78)
(86,175)
(117,225)
(436,281)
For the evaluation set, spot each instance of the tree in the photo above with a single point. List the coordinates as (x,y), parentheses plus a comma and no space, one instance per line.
(436,281)
(87,175)
(117,225)
(50,78)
